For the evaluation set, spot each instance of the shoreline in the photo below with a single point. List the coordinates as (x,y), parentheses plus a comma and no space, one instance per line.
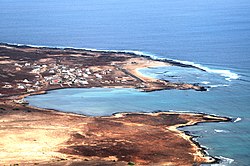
(129,68)
(200,155)
(130,52)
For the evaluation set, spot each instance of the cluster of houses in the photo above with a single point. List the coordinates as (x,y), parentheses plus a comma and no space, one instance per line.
(61,74)
(25,84)
(58,74)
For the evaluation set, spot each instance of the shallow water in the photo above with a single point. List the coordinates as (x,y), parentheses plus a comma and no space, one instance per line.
(223,139)
(214,35)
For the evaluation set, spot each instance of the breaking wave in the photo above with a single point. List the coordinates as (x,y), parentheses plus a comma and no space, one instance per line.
(221,131)
(219,85)
(237,120)
(140,53)
(225,73)
(229,75)
(205,82)
(224,161)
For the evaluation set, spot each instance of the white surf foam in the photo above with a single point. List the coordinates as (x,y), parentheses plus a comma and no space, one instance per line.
(225,73)
(224,161)
(204,147)
(205,82)
(140,53)
(220,131)
(219,85)
(237,120)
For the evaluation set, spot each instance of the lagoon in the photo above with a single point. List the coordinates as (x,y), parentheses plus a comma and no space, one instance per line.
(214,34)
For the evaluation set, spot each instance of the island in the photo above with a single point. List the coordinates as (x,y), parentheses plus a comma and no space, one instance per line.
(31,135)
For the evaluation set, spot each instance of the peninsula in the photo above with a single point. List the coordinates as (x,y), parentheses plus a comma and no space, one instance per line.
(48,137)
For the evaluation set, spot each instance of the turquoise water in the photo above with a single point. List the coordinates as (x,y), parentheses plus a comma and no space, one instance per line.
(213,35)
(223,139)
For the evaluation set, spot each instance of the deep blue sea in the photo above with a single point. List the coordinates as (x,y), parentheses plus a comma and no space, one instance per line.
(211,34)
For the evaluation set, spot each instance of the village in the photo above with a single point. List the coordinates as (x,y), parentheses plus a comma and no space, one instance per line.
(32,71)
(61,75)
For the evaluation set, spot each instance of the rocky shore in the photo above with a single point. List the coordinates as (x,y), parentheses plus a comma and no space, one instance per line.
(25,70)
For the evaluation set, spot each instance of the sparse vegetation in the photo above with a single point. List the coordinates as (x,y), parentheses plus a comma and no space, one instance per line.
(131,163)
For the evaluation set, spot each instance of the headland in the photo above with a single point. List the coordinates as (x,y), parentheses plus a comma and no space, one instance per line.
(47,137)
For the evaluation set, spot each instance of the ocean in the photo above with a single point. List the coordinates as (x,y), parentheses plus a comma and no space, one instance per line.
(212,35)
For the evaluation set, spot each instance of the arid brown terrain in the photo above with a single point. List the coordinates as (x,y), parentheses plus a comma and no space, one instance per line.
(25,70)
(46,137)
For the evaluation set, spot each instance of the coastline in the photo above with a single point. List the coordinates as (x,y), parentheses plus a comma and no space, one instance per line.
(129,52)
(129,67)
(27,112)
